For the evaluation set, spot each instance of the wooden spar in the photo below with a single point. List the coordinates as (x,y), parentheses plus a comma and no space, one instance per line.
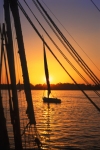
(4,140)
(30,109)
(9,93)
(10,56)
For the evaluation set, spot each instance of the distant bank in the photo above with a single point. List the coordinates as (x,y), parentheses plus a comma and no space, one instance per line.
(58,86)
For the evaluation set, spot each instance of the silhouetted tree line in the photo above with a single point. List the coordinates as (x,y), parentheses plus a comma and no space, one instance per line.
(58,86)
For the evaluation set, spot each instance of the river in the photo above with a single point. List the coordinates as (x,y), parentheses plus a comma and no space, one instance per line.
(73,124)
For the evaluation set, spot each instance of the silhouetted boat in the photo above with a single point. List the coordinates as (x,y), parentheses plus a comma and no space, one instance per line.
(51,100)
(48,99)
(22,132)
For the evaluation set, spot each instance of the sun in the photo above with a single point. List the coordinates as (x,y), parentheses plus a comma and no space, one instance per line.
(50,79)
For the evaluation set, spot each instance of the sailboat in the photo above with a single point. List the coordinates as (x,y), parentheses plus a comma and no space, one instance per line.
(48,99)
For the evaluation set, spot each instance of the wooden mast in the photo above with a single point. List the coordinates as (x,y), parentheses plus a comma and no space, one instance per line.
(4,139)
(10,56)
(15,12)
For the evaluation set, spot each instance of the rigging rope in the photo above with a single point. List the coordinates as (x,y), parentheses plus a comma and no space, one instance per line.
(62,42)
(89,71)
(77,60)
(27,17)
(95,5)
(71,36)
(59,49)
(10,99)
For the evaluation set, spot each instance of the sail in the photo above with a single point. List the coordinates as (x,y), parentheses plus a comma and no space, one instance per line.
(46,71)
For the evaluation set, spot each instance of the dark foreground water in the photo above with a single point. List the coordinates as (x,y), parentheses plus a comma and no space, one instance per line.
(73,124)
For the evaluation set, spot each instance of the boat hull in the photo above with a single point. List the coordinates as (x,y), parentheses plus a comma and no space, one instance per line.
(51,100)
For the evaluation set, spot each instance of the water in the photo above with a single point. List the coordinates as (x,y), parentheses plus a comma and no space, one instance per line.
(73,124)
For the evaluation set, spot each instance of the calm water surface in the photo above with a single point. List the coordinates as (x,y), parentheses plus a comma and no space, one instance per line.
(73,124)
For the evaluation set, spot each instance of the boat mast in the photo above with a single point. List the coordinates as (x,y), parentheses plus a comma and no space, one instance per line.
(46,71)
(4,140)
(10,56)
(15,12)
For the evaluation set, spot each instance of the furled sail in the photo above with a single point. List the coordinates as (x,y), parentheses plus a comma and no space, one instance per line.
(46,71)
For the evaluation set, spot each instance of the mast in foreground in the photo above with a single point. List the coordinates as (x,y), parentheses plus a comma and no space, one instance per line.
(13,103)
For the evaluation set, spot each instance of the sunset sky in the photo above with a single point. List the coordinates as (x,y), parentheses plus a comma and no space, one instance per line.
(79,21)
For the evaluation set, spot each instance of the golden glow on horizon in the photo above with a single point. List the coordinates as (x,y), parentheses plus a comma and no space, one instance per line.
(83,28)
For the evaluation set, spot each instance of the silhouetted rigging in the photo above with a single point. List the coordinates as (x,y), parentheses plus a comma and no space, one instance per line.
(57,45)
(22,140)
(71,36)
(95,5)
(81,62)
(22,9)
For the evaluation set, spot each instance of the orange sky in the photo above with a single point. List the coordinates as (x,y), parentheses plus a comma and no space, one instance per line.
(82,21)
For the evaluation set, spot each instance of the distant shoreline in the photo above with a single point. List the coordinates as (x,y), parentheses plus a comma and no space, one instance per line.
(58,86)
